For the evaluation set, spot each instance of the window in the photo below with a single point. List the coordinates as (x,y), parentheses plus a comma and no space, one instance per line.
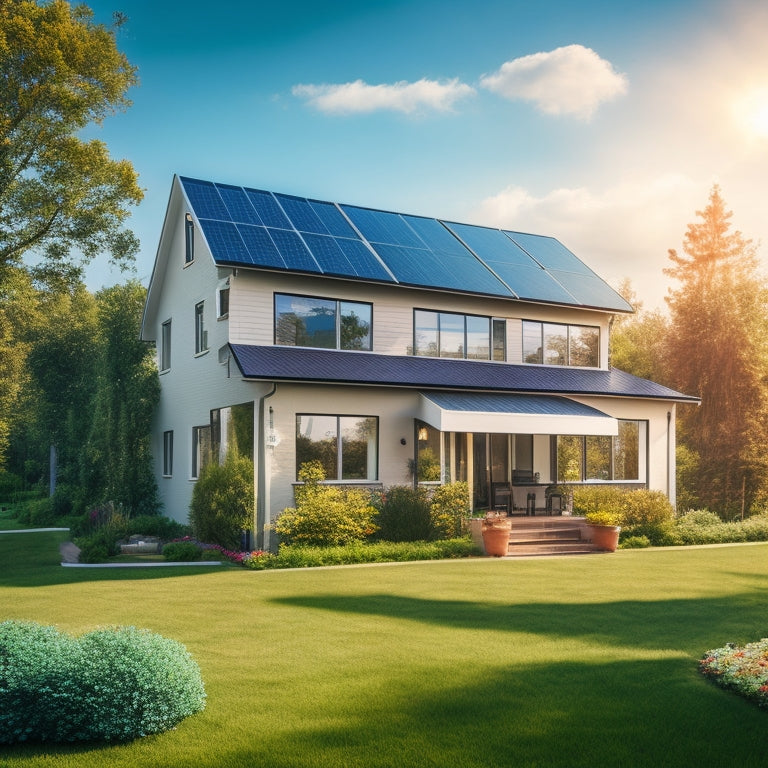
(165,346)
(346,446)
(167,453)
(201,334)
(189,239)
(223,308)
(232,430)
(448,334)
(590,458)
(560,344)
(201,449)
(307,321)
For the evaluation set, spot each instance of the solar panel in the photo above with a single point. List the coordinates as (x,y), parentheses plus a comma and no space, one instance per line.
(550,253)
(333,219)
(490,244)
(205,199)
(237,204)
(261,248)
(262,229)
(301,214)
(223,238)
(267,208)
(382,227)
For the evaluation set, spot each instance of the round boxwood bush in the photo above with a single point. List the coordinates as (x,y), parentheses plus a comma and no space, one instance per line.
(182,552)
(108,685)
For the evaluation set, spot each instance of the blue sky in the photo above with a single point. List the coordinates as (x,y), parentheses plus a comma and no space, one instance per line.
(604,124)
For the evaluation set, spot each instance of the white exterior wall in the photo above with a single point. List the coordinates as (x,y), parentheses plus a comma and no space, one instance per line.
(252,310)
(194,384)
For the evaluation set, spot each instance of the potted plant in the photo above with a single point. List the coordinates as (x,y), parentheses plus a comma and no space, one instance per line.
(605,528)
(496,529)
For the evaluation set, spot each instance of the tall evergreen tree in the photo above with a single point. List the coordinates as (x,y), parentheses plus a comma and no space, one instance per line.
(718,350)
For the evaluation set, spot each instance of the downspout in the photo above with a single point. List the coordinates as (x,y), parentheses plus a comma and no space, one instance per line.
(669,454)
(262,492)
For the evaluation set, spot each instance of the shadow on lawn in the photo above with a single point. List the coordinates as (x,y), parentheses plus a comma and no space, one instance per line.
(654,624)
(566,714)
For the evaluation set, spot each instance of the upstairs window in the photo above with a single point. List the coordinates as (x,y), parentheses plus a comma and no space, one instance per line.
(201,334)
(223,308)
(561,344)
(448,334)
(165,346)
(307,321)
(189,239)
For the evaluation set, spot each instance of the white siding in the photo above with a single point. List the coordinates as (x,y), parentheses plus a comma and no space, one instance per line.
(252,310)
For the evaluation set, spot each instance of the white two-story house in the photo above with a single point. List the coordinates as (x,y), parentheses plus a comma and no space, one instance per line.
(393,349)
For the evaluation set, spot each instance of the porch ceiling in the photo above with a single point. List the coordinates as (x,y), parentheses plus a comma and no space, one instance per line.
(512,413)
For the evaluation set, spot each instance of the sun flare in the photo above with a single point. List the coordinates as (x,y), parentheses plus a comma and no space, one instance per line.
(752,113)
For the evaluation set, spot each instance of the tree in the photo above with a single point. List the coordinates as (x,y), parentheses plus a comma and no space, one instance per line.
(60,73)
(717,347)
(637,341)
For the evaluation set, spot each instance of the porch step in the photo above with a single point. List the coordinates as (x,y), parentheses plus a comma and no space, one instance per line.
(548,536)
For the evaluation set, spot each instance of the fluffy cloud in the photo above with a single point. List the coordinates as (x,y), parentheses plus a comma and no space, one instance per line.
(572,80)
(402,96)
(622,231)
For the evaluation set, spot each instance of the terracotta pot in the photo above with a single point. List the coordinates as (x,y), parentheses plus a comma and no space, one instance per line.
(496,539)
(605,537)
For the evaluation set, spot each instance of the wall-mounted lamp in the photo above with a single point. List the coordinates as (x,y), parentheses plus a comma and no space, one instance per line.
(403,441)
(423,434)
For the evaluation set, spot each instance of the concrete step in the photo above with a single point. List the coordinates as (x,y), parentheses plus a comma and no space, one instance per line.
(553,548)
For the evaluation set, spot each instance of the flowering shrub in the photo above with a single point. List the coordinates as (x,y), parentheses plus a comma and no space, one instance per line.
(109,685)
(325,514)
(743,670)
(449,505)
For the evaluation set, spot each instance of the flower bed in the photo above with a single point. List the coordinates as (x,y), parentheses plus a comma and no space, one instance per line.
(740,669)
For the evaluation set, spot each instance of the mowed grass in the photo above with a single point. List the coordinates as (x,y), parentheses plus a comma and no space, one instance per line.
(580,661)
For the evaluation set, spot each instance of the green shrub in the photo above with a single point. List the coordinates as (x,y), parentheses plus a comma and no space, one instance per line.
(107,685)
(404,514)
(639,513)
(635,542)
(646,513)
(449,505)
(325,515)
(361,552)
(10,485)
(158,525)
(182,552)
(222,501)
(39,513)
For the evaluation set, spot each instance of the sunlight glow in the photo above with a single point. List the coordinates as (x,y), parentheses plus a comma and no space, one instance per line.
(752,113)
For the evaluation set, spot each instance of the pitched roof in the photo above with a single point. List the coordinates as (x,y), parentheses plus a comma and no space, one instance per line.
(257,229)
(342,367)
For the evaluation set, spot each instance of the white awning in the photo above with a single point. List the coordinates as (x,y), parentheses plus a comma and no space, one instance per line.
(513,414)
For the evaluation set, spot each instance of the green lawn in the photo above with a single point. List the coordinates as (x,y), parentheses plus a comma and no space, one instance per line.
(580,661)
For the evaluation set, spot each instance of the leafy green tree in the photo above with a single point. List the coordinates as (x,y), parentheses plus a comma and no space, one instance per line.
(717,348)
(638,340)
(116,459)
(61,73)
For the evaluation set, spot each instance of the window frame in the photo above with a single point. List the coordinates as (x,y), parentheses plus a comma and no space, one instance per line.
(201,332)
(338,315)
(164,357)
(434,332)
(200,461)
(168,453)
(189,239)
(527,337)
(339,447)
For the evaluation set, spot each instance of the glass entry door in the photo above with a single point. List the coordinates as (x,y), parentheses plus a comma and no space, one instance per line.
(490,464)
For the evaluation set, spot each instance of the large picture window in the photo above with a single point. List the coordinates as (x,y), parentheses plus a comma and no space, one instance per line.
(307,321)
(346,446)
(560,344)
(448,334)
(593,458)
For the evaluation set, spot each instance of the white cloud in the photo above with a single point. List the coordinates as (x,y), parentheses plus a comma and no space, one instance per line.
(622,231)
(572,80)
(359,96)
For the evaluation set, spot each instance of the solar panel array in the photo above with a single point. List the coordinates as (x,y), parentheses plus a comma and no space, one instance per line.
(255,228)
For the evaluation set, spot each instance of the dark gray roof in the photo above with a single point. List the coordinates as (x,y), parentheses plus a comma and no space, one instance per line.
(341,367)
(256,229)
(504,402)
